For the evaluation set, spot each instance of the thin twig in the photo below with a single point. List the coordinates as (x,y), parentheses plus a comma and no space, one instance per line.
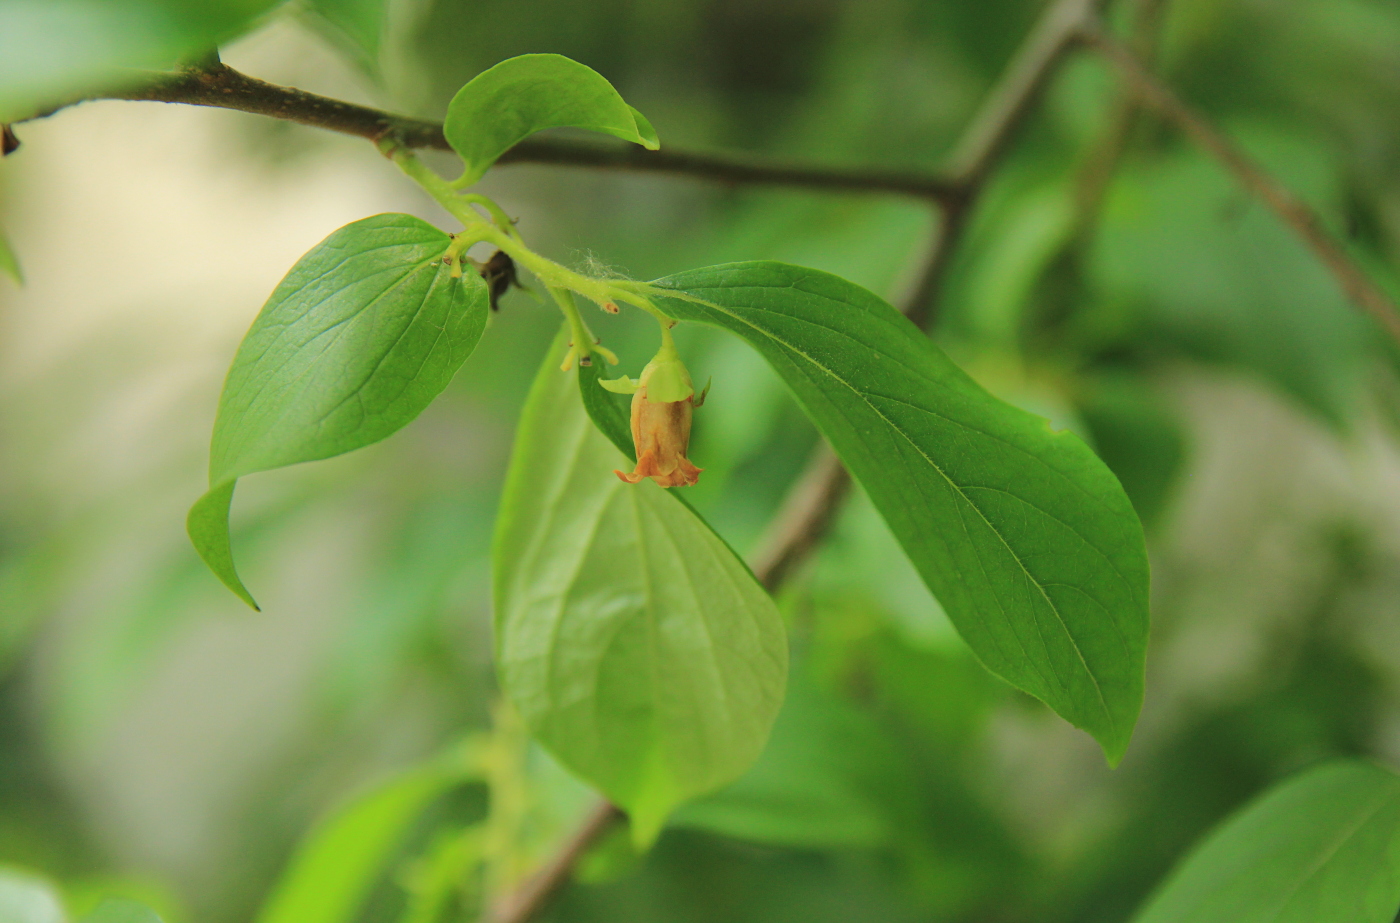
(1304,221)
(526,903)
(1011,100)
(805,518)
(988,135)
(220,86)
(1096,170)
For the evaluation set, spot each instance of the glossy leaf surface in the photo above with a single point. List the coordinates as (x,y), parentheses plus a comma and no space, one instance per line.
(1323,847)
(520,96)
(1025,537)
(355,342)
(638,649)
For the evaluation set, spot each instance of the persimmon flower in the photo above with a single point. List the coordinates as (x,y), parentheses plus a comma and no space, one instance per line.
(662,403)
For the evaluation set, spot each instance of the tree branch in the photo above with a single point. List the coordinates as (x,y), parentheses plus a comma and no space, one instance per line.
(1011,99)
(536,894)
(1096,170)
(806,516)
(220,86)
(990,132)
(1304,221)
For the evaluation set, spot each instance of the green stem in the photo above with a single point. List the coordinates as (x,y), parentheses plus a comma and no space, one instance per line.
(497,213)
(502,234)
(582,345)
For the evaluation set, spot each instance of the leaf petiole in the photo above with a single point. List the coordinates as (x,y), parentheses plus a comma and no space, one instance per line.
(501,232)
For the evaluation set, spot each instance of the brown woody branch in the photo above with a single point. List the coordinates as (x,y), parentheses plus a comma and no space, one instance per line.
(220,86)
(536,894)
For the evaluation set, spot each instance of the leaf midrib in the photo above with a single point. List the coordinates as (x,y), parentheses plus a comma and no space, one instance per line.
(1293,890)
(1098,689)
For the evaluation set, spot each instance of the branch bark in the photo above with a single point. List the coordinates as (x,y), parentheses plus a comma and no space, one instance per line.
(536,894)
(220,86)
(1298,215)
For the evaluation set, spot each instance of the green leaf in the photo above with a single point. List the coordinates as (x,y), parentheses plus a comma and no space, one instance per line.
(27,898)
(9,265)
(1323,847)
(635,645)
(122,910)
(54,50)
(335,868)
(1022,534)
(356,26)
(504,105)
(358,338)
(609,411)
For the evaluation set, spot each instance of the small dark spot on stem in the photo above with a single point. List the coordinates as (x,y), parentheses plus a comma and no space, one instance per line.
(499,273)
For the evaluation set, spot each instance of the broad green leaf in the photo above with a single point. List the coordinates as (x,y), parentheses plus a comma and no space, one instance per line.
(360,336)
(610,412)
(335,868)
(1022,534)
(504,105)
(122,910)
(9,265)
(357,26)
(53,50)
(27,898)
(1323,847)
(635,645)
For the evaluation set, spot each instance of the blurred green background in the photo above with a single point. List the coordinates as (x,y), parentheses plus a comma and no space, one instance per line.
(159,740)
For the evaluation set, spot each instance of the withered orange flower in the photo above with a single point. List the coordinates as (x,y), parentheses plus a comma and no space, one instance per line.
(661,433)
(663,402)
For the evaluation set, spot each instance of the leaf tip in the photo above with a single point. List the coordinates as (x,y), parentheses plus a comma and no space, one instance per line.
(1114,745)
(207,525)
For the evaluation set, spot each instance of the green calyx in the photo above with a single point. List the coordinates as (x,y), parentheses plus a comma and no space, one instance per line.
(665,377)
(623,385)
